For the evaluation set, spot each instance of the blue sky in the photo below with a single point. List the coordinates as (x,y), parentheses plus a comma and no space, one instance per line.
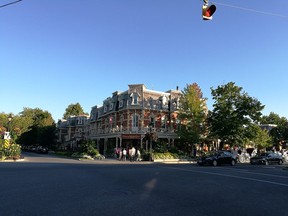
(56,52)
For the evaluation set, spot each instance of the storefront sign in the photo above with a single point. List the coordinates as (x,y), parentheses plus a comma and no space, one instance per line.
(131,136)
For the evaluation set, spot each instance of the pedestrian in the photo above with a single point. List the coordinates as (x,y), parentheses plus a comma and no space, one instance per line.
(124,154)
(138,155)
(120,154)
(130,154)
(133,153)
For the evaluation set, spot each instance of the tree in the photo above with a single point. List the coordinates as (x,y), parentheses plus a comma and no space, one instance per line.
(279,133)
(233,111)
(274,118)
(73,110)
(41,128)
(192,114)
(260,138)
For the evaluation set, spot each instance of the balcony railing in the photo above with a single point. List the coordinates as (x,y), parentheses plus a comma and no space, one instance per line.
(124,130)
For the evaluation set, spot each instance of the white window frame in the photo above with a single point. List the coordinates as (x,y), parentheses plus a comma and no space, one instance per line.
(121,103)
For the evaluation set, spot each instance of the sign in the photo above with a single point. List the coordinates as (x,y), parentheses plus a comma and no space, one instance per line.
(6,143)
(7,136)
(131,136)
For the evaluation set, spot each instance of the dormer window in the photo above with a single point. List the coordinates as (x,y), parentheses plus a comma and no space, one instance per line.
(121,103)
(111,106)
(134,97)
(151,102)
(160,104)
(164,100)
(105,109)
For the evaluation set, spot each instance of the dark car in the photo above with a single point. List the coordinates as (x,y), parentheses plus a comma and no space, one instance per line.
(218,158)
(267,158)
(42,150)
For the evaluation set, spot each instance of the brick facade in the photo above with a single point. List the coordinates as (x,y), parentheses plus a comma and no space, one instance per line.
(124,118)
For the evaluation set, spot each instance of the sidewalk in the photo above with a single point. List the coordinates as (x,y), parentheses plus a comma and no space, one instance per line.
(175,161)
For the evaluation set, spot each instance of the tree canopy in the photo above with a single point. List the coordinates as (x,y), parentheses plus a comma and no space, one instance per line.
(40,127)
(233,111)
(192,114)
(279,134)
(73,110)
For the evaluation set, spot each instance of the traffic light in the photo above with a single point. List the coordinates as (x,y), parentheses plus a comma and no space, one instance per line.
(208,11)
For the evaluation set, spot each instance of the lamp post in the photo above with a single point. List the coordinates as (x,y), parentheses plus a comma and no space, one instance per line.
(150,136)
(10,117)
(150,140)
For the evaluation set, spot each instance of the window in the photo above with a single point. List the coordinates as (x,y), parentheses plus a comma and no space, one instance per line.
(163,121)
(105,108)
(160,105)
(111,106)
(121,103)
(134,97)
(79,121)
(152,122)
(135,120)
(151,103)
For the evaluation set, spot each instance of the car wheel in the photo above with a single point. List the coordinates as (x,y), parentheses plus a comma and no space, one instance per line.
(233,162)
(266,163)
(280,162)
(214,163)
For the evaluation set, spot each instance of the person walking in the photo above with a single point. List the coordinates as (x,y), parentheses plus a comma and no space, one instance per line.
(138,155)
(133,153)
(124,154)
(120,154)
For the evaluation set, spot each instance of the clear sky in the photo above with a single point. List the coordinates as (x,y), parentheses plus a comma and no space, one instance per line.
(57,52)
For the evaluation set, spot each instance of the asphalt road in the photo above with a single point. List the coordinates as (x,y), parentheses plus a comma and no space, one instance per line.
(48,185)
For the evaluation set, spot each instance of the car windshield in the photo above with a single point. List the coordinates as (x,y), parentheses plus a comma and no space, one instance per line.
(210,154)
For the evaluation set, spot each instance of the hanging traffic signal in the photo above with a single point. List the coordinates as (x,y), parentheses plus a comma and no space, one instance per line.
(208,11)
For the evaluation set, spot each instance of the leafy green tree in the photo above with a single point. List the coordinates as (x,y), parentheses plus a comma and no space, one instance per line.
(279,134)
(41,127)
(192,114)
(274,118)
(255,135)
(89,147)
(233,111)
(73,110)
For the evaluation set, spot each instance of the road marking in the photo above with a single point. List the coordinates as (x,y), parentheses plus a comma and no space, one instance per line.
(255,173)
(230,176)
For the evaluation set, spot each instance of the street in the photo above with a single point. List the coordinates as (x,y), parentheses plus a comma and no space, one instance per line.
(50,185)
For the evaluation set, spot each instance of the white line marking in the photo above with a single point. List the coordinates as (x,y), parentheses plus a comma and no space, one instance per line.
(231,176)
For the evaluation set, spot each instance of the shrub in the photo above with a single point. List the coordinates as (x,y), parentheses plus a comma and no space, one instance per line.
(9,150)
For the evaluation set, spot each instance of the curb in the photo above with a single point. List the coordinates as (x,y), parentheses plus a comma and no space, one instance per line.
(174,161)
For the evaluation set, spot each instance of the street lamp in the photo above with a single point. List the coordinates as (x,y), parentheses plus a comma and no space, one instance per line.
(10,117)
(150,137)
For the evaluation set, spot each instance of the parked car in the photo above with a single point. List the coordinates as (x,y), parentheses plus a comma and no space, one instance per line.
(218,158)
(267,158)
(42,150)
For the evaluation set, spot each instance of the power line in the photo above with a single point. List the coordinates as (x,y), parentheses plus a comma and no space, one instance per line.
(252,10)
(10,3)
